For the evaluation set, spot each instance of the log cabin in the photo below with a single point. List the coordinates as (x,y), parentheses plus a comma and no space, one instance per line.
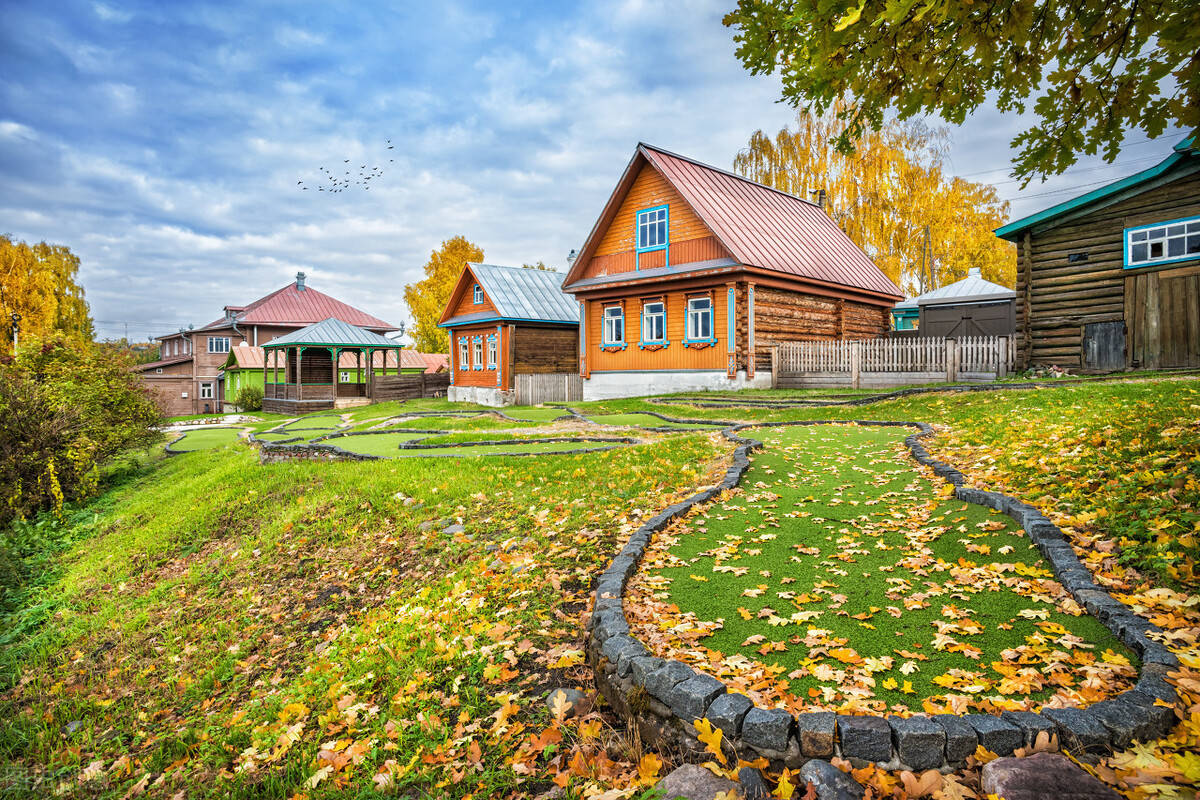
(1110,280)
(692,273)
(504,322)
(187,377)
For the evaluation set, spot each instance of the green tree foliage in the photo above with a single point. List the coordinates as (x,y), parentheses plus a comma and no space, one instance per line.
(885,195)
(249,398)
(540,265)
(65,410)
(427,298)
(39,283)
(1087,69)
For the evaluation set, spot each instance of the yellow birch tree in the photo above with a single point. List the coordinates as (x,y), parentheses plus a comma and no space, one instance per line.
(39,283)
(886,194)
(427,298)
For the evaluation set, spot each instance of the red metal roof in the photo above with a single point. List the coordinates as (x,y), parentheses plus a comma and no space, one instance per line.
(293,306)
(764,227)
(760,226)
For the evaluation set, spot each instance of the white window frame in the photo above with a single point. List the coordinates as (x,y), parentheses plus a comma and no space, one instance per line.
(611,322)
(649,235)
(695,313)
(648,318)
(206,391)
(219,341)
(493,351)
(478,295)
(477,341)
(343,376)
(1141,241)
(463,354)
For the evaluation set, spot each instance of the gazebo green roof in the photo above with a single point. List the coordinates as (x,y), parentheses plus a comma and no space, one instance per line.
(332,333)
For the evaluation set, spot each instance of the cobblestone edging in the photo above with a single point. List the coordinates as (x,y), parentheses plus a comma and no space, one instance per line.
(319,449)
(415,444)
(171,451)
(701,424)
(662,698)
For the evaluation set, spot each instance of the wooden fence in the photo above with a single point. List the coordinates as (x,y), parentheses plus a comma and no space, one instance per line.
(878,363)
(410,387)
(551,387)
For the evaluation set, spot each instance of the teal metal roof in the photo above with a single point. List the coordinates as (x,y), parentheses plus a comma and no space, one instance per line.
(518,293)
(332,333)
(1182,151)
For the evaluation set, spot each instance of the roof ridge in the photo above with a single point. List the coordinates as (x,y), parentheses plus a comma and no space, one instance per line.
(743,178)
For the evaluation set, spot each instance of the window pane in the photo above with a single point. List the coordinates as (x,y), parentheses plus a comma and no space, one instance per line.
(706,325)
(1175,230)
(1193,243)
(1158,233)
(1193,227)
(1137,236)
(1138,253)
(1175,247)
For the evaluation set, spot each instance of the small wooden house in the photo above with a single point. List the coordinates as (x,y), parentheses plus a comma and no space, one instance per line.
(504,322)
(691,274)
(1110,279)
(970,307)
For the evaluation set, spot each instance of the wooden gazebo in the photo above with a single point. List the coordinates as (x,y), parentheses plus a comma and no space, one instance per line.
(302,372)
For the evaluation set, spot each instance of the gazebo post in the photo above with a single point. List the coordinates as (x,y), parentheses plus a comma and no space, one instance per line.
(358,373)
(299,373)
(334,353)
(264,375)
(370,371)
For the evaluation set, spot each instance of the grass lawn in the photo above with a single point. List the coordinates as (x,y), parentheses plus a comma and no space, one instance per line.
(535,413)
(215,627)
(841,578)
(374,444)
(516,448)
(204,439)
(634,420)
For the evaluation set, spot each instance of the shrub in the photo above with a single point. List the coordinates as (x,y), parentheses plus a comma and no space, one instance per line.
(64,412)
(249,398)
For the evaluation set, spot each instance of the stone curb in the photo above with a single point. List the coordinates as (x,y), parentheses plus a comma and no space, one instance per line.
(661,698)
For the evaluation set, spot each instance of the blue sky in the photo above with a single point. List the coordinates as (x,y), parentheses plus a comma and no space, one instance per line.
(163,142)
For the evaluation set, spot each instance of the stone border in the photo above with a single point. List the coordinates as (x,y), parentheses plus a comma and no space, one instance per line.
(662,698)
(169,447)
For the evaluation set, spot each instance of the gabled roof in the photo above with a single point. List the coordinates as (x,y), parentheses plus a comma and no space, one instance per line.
(971,289)
(519,294)
(759,226)
(1186,152)
(332,332)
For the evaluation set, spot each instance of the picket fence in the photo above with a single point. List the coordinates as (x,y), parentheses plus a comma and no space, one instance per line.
(551,387)
(878,363)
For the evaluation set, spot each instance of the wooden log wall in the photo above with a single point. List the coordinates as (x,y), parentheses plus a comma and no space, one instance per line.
(783,316)
(1058,296)
(545,350)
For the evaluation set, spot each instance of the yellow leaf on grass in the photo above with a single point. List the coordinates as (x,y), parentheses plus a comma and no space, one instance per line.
(570,658)
(710,737)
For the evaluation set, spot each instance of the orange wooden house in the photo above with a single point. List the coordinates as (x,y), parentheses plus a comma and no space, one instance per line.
(504,322)
(691,273)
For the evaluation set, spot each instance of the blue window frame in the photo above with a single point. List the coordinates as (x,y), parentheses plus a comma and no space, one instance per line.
(651,231)
(612,332)
(654,323)
(699,323)
(478,343)
(491,351)
(464,361)
(1162,243)
(478,297)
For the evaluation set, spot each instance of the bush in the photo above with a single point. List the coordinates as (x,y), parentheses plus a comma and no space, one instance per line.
(64,412)
(249,398)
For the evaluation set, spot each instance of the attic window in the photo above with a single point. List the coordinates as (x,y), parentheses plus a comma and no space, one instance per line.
(478,294)
(1162,243)
(652,229)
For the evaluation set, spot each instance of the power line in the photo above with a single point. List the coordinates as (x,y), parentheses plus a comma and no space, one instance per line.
(1005,169)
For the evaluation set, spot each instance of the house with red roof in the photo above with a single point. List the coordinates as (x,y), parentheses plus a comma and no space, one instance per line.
(692,273)
(188,375)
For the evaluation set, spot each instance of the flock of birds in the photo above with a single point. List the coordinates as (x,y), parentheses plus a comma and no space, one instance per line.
(333,183)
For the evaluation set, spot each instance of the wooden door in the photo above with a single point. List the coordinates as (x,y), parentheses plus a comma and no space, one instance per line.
(1162,312)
